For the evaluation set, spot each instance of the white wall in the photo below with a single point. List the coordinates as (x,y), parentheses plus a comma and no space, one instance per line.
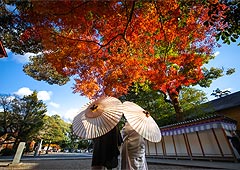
(207,140)
(180,145)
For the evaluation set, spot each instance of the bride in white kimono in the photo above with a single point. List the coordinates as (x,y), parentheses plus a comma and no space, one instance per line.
(133,150)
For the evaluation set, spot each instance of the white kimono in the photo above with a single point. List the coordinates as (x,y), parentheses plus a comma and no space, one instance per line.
(133,150)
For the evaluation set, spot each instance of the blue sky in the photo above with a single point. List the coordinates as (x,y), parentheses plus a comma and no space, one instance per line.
(227,56)
(60,99)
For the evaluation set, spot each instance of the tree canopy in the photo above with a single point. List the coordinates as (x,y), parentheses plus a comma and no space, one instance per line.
(55,130)
(21,118)
(108,45)
(24,119)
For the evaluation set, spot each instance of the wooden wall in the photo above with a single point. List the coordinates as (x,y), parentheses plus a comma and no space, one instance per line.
(207,144)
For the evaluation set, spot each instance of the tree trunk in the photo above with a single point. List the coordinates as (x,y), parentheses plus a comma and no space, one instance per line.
(48,147)
(177,107)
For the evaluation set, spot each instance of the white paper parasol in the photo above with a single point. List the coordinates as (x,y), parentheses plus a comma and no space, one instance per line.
(97,117)
(141,121)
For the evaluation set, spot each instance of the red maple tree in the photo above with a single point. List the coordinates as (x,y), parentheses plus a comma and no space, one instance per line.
(108,45)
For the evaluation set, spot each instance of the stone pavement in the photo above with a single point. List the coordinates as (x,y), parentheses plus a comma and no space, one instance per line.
(85,164)
(197,163)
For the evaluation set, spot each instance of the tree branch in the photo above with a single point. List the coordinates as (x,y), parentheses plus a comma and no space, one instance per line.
(129,20)
(72,9)
(99,44)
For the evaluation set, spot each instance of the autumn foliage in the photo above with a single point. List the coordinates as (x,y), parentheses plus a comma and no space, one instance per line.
(108,45)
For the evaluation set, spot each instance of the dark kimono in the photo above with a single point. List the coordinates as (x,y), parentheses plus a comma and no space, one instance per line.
(105,149)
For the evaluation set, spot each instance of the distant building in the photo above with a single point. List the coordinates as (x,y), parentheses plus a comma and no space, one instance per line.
(228,106)
(208,138)
(204,138)
(2,51)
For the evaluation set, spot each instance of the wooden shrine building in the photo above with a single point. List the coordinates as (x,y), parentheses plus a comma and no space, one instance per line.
(205,138)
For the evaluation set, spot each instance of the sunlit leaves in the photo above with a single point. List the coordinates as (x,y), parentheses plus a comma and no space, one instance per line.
(212,74)
(55,130)
(107,45)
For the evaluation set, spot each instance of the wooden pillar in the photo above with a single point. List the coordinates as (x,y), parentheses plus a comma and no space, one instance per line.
(219,147)
(174,144)
(187,145)
(229,145)
(199,140)
(156,148)
(163,147)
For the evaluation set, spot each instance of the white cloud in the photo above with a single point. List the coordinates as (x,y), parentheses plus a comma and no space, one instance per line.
(66,116)
(20,58)
(216,53)
(53,112)
(44,95)
(56,105)
(24,91)
(70,114)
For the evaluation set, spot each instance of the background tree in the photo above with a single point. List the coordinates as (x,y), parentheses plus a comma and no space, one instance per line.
(6,117)
(29,117)
(23,118)
(84,144)
(161,109)
(55,130)
(220,93)
(73,142)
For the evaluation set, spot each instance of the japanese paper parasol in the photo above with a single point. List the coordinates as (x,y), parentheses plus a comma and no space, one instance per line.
(97,118)
(141,121)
